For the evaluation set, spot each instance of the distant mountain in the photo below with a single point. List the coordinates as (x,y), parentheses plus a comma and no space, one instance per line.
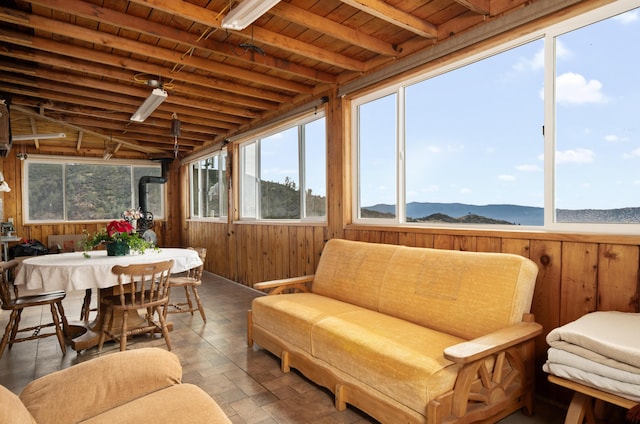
(511,214)
(502,214)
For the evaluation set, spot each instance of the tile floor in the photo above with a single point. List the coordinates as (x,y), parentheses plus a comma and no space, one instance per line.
(246,382)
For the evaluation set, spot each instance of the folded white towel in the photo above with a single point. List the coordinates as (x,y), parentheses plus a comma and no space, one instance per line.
(562,357)
(610,334)
(616,387)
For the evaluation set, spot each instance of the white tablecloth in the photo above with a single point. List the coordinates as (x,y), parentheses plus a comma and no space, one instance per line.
(72,271)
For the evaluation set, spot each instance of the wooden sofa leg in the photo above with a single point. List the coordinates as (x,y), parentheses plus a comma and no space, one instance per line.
(284,362)
(249,326)
(340,404)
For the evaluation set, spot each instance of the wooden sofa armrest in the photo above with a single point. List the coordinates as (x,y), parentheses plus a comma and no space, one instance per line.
(484,387)
(279,286)
(492,343)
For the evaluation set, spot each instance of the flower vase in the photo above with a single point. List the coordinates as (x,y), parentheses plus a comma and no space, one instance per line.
(117,248)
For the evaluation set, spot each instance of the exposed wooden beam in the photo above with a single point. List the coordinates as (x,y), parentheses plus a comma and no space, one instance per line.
(255,33)
(57,54)
(481,7)
(132,146)
(165,32)
(382,10)
(175,57)
(333,29)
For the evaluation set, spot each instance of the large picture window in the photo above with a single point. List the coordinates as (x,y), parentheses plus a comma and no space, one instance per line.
(539,133)
(85,191)
(283,172)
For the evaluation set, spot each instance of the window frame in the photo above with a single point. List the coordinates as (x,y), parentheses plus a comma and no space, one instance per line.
(254,138)
(223,157)
(64,161)
(548,35)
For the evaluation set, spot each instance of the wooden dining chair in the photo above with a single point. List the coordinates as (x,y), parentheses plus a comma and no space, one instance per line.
(190,282)
(12,301)
(140,286)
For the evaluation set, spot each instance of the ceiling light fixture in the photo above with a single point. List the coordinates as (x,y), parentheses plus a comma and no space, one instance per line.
(246,13)
(157,96)
(23,137)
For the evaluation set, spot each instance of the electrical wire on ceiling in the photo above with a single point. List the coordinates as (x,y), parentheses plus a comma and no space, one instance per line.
(205,35)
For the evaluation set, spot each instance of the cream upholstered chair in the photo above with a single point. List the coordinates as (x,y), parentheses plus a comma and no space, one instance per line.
(189,282)
(140,286)
(12,301)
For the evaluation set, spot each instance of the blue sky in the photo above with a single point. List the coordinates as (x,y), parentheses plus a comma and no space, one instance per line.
(475,135)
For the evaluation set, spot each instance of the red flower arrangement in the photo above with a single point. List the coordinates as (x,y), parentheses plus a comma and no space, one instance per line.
(117,231)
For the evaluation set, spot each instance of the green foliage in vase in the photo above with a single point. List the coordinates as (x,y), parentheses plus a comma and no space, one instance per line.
(117,231)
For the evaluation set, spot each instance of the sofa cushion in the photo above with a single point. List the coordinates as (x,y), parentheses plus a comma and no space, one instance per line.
(398,358)
(12,410)
(467,294)
(292,316)
(353,271)
(100,384)
(182,403)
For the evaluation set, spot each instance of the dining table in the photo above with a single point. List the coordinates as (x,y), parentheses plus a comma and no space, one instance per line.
(92,270)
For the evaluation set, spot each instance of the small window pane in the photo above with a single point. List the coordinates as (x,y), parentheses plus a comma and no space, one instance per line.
(45,191)
(315,164)
(97,191)
(279,176)
(195,189)
(474,142)
(211,185)
(377,157)
(249,180)
(597,98)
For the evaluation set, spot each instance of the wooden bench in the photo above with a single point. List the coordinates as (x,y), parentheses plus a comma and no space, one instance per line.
(586,401)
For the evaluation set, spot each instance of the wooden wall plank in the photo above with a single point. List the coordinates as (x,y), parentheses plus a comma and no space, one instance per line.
(546,304)
(578,282)
(618,278)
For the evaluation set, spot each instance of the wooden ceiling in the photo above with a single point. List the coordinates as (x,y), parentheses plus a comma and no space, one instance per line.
(82,67)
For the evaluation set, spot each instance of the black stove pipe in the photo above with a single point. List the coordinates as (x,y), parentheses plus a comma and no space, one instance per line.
(146,222)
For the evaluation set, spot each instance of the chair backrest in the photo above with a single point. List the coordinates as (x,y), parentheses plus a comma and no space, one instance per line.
(196,273)
(144,285)
(8,292)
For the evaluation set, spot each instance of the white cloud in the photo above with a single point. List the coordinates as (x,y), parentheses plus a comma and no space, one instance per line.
(627,18)
(505,177)
(572,88)
(612,138)
(465,190)
(536,62)
(528,168)
(575,156)
(434,149)
(633,154)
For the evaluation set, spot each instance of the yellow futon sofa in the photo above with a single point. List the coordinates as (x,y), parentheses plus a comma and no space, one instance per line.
(135,386)
(408,335)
